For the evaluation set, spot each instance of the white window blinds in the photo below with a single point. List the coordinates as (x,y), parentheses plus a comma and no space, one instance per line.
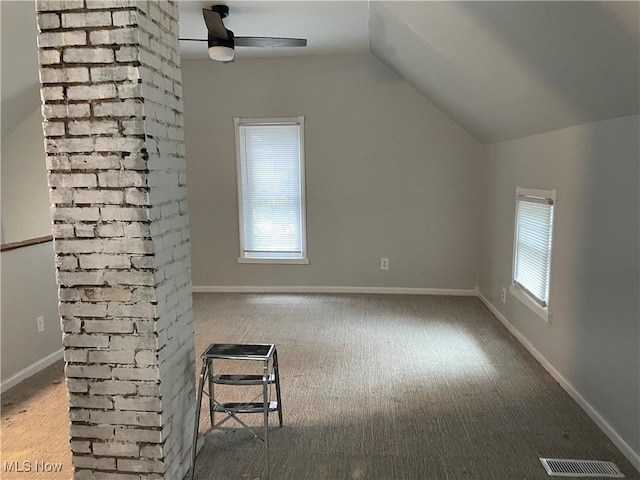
(532,259)
(271,190)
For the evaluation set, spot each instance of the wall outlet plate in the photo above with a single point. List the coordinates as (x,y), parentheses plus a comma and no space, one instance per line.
(504,295)
(40,324)
(384,264)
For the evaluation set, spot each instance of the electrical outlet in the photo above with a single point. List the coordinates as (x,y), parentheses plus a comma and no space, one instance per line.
(504,295)
(384,264)
(40,324)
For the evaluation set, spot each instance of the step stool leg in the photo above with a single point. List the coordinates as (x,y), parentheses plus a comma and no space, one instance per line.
(276,371)
(265,400)
(211,399)
(194,447)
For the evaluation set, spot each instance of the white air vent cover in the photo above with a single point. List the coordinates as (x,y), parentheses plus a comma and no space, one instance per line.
(559,467)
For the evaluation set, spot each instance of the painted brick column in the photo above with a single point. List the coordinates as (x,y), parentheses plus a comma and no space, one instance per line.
(112,107)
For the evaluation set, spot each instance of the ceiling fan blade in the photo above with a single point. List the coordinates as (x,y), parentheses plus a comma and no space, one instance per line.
(213,20)
(270,42)
(193,39)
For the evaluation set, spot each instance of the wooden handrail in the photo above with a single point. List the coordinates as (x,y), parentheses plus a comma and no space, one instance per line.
(25,243)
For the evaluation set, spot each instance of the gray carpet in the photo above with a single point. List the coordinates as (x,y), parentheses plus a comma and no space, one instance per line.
(374,387)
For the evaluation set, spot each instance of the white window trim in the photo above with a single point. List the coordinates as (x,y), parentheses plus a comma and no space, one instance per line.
(543,312)
(237,121)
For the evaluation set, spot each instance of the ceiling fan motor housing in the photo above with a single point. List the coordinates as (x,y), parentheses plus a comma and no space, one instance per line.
(213,41)
(223,10)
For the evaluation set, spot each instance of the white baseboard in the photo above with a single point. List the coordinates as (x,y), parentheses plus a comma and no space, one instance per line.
(594,414)
(31,370)
(327,289)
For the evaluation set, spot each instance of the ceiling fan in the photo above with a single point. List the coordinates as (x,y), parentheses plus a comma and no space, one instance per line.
(222,42)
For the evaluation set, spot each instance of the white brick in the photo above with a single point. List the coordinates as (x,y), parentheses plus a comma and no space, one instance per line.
(71,279)
(66,262)
(61,39)
(77,385)
(81,446)
(139,434)
(140,404)
(114,417)
(88,55)
(83,340)
(119,357)
(114,74)
(139,465)
(134,127)
(122,178)
(126,108)
(98,260)
(110,326)
(131,246)
(106,294)
(88,371)
(85,231)
(146,261)
(84,310)
(94,128)
(94,161)
(49,57)
(48,21)
(72,214)
(132,342)
(77,415)
(133,310)
(118,144)
(142,278)
(125,17)
(46,5)
(151,451)
(112,387)
(127,214)
(136,230)
(142,374)
(128,90)
(116,449)
(119,36)
(51,93)
(111,230)
(69,145)
(146,358)
(65,111)
(64,75)
(102,463)
(91,92)
(83,20)
(110,3)
(98,196)
(87,401)
(70,180)
(53,129)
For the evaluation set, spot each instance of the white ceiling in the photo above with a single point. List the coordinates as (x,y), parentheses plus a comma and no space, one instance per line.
(331,27)
(506,70)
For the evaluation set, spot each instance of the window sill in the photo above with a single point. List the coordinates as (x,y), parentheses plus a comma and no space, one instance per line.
(517,292)
(290,261)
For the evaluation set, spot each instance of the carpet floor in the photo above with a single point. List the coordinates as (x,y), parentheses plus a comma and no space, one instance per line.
(374,387)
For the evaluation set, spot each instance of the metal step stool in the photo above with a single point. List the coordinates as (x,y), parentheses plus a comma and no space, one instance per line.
(264,352)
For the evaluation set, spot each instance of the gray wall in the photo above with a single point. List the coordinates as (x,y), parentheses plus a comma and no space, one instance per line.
(28,291)
(387,174)
(593,340)
(28,274)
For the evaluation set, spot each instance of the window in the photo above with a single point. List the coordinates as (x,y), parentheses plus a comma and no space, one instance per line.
(270,155)
(532,248)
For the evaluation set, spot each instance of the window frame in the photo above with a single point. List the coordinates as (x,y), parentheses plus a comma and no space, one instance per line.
(516,290)
(239,121)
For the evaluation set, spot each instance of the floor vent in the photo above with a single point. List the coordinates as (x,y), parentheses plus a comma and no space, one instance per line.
(558,467)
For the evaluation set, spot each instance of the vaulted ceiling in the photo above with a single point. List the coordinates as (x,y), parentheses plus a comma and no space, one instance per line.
(502,70)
